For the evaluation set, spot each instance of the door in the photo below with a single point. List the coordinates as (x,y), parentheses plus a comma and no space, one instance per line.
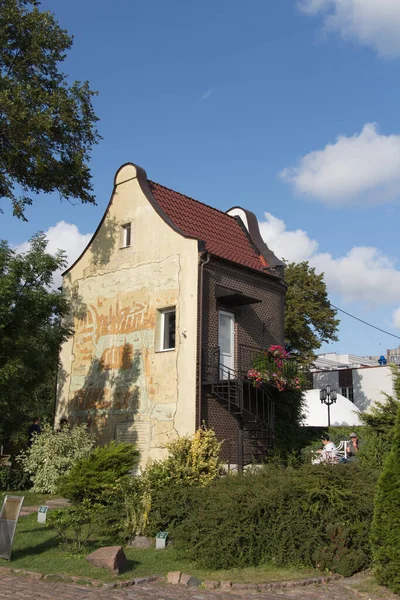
(226,342)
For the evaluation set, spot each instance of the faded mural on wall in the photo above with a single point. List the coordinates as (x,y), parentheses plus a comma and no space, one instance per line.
(118,383)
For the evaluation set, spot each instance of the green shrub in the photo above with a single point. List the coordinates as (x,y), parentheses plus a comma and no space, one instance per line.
(92,475)
(123,510)
(13,477)
(74,525)
(385,534)
(279,516)
(339,555)
(53,453)
(192,462)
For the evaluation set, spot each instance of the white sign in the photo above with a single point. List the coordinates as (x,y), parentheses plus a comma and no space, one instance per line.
(42,514)
(161,540)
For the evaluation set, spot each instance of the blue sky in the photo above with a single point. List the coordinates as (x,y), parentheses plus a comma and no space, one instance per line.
(287,108)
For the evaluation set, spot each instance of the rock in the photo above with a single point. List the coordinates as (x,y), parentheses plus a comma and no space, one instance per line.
(109,586)
(141,542)
(226,585)
(189,580)
(174,577)
(210,585)
(110,557)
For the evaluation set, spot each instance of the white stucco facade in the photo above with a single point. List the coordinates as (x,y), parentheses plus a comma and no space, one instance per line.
(369,384)
(114,375)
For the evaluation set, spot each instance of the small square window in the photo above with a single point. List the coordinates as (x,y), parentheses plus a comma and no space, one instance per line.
(167,329)
(126,236)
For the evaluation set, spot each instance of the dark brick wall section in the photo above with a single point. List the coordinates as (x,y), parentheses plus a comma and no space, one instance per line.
(257,325)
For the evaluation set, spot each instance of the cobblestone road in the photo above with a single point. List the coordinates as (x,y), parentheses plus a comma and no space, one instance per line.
(14,587)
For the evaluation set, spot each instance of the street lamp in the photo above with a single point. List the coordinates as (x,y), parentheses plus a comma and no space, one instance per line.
(328,397)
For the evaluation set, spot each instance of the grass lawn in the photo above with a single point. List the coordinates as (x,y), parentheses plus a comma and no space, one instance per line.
(36,548)
(30,498)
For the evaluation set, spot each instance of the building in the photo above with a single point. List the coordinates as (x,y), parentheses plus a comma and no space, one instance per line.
(359,379)
(393,356)
(172,299)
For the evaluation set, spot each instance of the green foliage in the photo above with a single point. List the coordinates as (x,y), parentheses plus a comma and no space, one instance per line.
(278,516)
(31,331)
(122,510)
(74,525)
(93,474)
(385,535)
(310,319)
(53,453)
(192,462)
(379,426)
(338,556)
(289,414)
(13,477)
(47,125)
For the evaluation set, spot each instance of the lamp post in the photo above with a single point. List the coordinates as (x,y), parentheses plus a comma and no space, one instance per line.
(328,397)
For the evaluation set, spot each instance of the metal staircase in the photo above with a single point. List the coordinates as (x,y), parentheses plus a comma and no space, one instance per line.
(253,407)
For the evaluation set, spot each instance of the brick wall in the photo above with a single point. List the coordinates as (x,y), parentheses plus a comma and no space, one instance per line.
(256,325)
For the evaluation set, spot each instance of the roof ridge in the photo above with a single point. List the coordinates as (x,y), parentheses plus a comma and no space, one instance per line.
(193,199)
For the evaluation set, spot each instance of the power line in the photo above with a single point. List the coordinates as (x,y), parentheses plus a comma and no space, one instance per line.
(365,322)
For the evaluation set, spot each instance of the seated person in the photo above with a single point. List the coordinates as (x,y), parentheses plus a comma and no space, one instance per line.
(327,453)
(352,448)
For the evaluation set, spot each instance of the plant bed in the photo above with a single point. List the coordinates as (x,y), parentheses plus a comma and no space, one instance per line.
(37,548)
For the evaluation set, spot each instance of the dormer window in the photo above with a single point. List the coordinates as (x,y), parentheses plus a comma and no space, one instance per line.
(126,235)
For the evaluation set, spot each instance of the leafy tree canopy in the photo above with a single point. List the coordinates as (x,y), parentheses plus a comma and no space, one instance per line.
(47,126)
(310,319)
(31,332)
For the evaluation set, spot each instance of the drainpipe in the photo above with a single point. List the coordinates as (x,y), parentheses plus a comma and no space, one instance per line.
(200,346)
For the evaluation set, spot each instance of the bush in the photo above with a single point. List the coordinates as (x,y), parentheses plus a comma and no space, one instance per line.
(385,534)
(192,462)
(338,556)
(53,453)
(92,475)
(279,516)
(74,525)
(13,477)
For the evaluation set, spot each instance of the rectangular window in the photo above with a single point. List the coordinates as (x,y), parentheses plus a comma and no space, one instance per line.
(167,329)
(126,235)
(348,392)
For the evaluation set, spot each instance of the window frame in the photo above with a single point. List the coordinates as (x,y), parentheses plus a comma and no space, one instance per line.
(124,234)
(161,329)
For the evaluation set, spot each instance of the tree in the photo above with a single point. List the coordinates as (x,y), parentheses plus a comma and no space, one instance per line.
(310,319)
(385,532)
(31,332)
(47,126)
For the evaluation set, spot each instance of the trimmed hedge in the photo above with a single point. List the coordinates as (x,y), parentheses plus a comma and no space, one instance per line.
(314,515)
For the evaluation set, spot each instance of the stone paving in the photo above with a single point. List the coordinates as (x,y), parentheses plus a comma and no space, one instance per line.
(24,588)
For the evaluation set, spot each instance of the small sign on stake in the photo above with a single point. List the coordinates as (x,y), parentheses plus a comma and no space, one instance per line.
(42,514)
(161,540)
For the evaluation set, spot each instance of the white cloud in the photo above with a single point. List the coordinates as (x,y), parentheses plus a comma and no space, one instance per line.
(361,169)
(292,245)
(373,23)
(363,274)
(62,236)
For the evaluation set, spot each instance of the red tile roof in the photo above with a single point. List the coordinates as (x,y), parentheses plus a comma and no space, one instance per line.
(222,234)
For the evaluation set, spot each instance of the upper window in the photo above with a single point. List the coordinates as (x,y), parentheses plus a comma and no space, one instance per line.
(126,236)
(167,329)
